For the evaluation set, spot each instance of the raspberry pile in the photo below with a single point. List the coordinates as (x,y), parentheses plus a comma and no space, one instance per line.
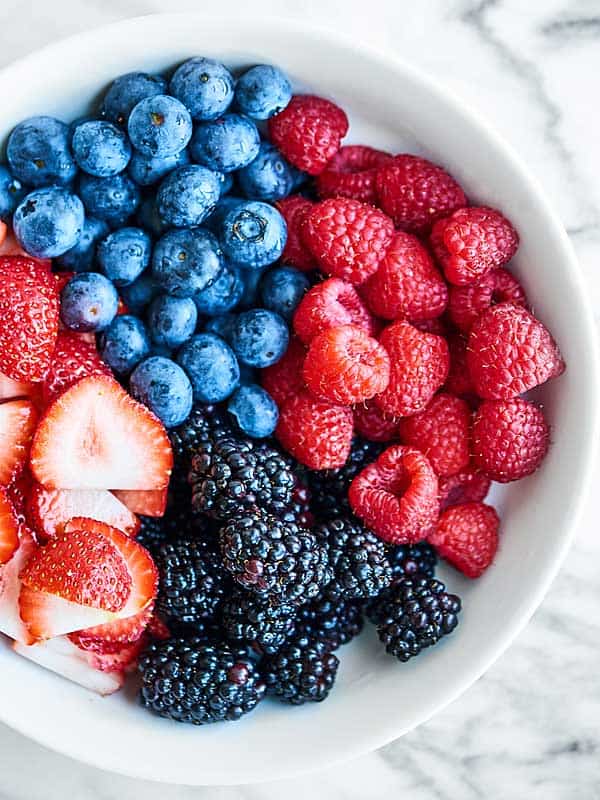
(254,384)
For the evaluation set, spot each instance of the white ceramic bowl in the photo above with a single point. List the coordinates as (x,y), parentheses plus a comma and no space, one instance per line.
(376,699)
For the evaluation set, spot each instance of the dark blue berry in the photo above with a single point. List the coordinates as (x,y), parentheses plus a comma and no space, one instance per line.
(159,126)
(204,86)
(211,366)
(100,148)
(147,217)
(282,288)
(126,91)
(222,325)
(39,152)
(124,344)
(124,255)
(112,200)
(48,222)
(12,192)
(214,221)
(251,296)
(259,337)
(147,170)
(186,261)
(222,295)
(164,387)
(253,234)
(225,144)
(262,91)
(89,302)
(140,293)
(187,196)
(268,177)
(80,258)
(172,320)
(254,410)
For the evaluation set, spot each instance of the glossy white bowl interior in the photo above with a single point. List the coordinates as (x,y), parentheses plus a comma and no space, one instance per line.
(377,699)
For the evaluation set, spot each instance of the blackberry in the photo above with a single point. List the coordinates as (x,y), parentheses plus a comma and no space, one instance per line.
(409,559)
(415,614)
(303,670)
(229,474)
(205,421)
(189,680)
(337,621)
(358,559)
(329,487)
(178,522)
(299,510)
(271,557)
(191,580)
(258,621)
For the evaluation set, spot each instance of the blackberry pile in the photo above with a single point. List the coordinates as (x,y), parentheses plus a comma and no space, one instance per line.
(258,622)
(303,670)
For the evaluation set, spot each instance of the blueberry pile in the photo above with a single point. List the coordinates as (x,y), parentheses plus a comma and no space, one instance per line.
(161,200)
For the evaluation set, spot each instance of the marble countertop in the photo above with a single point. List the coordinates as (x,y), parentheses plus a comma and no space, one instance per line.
(531,726)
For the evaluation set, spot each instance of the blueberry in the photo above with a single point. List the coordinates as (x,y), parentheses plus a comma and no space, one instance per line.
(80,258)
(253,234)
(140,293)
(254,410)
(222,326)
(247,375)
(262,91)
(225,144)
(163,386)
(147,216)
(161,350)
(100,148)
(112,200)
(89,302)
(160,126)
(186,261)
(252,279)
(147,170)
(124,344)
(39,154)
(12,192)
(259,337)
(126,91)
(187,196)
(172,320)
(48,222)
(223,294)
(226,180)
(282,288)
(268,177)
(211,366)
(124,254)
(204,86)
(214,221)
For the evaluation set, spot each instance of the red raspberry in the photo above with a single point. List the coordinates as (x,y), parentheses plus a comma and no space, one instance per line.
(345,365)
(415,192)
(470,485)
(407,285)
(510,439)
(419,366)
(467,537)
(471,242)
(295,209)
(397,495)
(351,173)
(315,432)
(441,432)
(308,132)
(459,378)
(348,238)
(284,378)
(467,303)
(328,304)
(510,352)
(371,423)
(437,326)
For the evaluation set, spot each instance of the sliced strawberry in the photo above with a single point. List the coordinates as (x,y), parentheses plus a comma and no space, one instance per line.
(10,390)
(18,492)
(95,436)
(73,359)
(11,623)
(62,278)
(18,419)
(49,509)
(11,247)
(9,528)
(158,629)
(3,231)
(123,660)
(111,637)
(150,503)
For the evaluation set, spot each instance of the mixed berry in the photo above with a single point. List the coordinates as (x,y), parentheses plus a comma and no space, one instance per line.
(253,384)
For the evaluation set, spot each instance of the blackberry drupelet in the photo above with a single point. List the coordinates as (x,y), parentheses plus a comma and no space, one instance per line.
(188,680)
(179,521)
(329,487)
(274,558)
(303,670)
(259,622)
(410,559)
(299,510)
(206,421)
(337,621)
(358,559)
(416,613)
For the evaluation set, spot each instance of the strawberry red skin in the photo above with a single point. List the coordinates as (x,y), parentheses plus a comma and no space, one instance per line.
(352,172)
(467,537)
(295,209)
(328,304)
(467,303)
(284,378)
(18,420)
(150,503)
(110,637)
(9,528)
(73,359)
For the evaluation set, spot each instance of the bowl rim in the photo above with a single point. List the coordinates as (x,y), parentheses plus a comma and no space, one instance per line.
(384,57)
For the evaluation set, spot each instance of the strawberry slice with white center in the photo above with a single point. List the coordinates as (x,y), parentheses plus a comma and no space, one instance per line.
(10,389)
(49,509)
(95,436)
(151,503)
(11,623)
(111,637)
(18,419)
(9,528)
(73,359)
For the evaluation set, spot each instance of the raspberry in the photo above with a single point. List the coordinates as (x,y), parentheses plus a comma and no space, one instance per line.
(397,495)
(510,439)
(419,366)
(345,365)
(284,378)
(471,242)
(459,378)
(467,303)
(328,304)
(467,537)
(510,352)
(315,432)
(441,432)
(351,173)
(415,192)
(348,238)
(295,209)
(437,326)
(470,485)
(407,285)
(373,424)
(308,132)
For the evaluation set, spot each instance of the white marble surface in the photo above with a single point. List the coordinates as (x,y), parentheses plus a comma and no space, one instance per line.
(531,727)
